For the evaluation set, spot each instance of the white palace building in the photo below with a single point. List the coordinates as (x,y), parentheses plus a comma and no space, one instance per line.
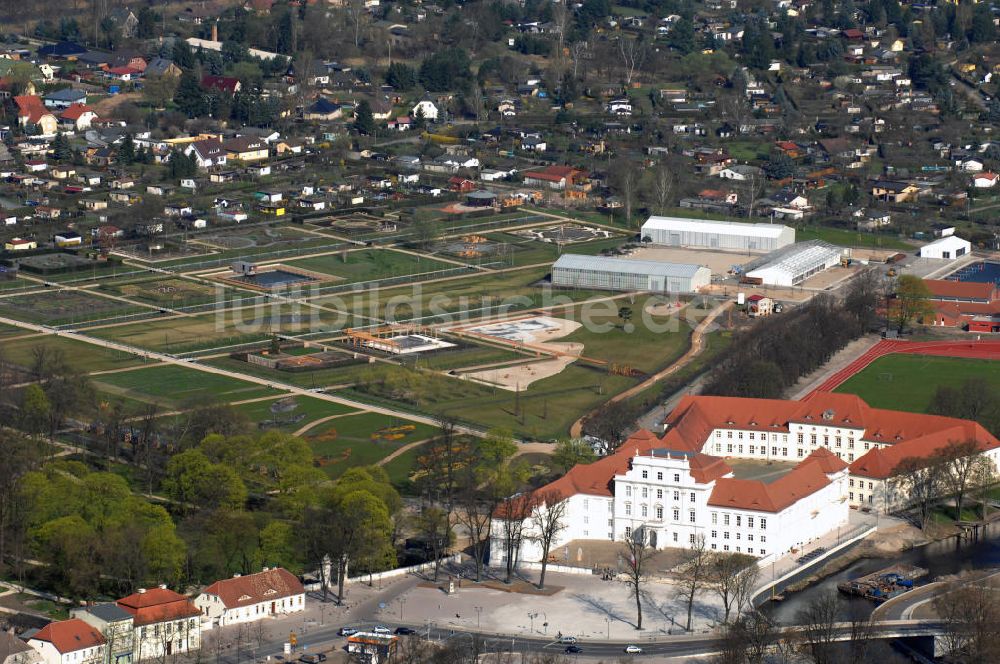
(679,487)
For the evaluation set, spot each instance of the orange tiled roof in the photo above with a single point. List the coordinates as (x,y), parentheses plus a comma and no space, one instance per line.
(267,586)
(969,290)
(158,605)
(802,481)
(70,635)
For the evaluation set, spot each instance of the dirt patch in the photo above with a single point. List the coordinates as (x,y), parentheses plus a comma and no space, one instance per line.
(532,333)
(109,106)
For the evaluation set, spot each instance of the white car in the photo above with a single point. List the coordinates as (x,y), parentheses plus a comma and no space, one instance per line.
(381,629)
(567,639)
(633,650)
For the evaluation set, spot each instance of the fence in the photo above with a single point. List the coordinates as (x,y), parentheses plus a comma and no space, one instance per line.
(453,559)
(561,569)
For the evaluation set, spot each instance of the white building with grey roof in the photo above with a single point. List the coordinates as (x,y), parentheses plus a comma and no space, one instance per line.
(718,235)
(796,263)
(623,274)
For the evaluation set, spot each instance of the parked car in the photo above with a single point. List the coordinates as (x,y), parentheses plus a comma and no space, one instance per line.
(567,639)
(348,631)
(633,650)
(574,649)
(405,631)
(314,658)
(381,629)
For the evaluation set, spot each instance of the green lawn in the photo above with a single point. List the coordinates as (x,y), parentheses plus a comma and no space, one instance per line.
(400,468)
(175,386)
(306,410)
(908,382)
(845,238)
(63,307)
(79,355)
(370,264)
(319,378)
(347,441)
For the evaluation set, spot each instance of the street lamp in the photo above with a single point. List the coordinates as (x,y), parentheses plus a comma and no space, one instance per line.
(479,615)
(402,601)
(532,616)
(608,621)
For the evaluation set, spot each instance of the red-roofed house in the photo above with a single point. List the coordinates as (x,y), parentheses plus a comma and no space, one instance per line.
(124,74)
(69,642)
(77,117)
(166,622)
(985,180)
(31,111)
(221,83)
(678,486)
(555,177)
(251,597)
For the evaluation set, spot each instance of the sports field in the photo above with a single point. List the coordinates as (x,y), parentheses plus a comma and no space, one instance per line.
(908,382)
(62,307)
(79,355)
(366,265)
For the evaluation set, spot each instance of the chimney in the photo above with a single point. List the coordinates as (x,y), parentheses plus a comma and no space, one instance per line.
(215,31)
(141,591)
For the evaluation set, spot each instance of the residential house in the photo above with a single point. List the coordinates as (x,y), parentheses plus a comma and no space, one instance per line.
(507,108)
(533,144)
(227,84)
(77,117)
(252,597)
(113,622)
(15,651)
(165,622)
(985,180)
(740,172)
(246,149)
(158,67)
(66,239)
(125,20)
(426,109)
(65,98)
(401,123)
(69,642)
(619,107)
(323,109)
(759,305)
(559,178)
(31,111)
(124,73)
(19,244)
(207,153)
(894,192)
(870,220)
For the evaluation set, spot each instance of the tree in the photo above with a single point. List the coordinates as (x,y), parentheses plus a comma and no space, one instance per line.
(663,188)
(971,613)
(20,455)
(401,77)
(819,627)
(548,515)
(611,424)
(158,90)
(61,150)
(126,152)
(364,122)
(638,556)
(447,69)
(732,576)
(624,315)
(682,36)
(628,185)
(190,99)
(921,480)
(434,526)
(694,575)
(35,409)
(779,166)
(516,509)
(750,639)
(572,451)
(633,55)
(974,399)
(912,301)
(192,479)
(961,462)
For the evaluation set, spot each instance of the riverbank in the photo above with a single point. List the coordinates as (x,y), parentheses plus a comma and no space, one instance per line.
(886,543)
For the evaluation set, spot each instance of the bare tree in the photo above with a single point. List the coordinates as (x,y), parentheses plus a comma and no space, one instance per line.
(819,619)
(475,514)
(628,185)
(560,22)
(357,16)
(516,510)
(694,575)
(547,521)
(638,557)
(663,188)
(753,187)
(435,526)
(578,51)
(732,576)
(633,54)
(921,480)
(751,639)
(962,462)
(971,613)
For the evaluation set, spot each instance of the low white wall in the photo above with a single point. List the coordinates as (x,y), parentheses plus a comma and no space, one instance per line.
(399,571)
(561,569)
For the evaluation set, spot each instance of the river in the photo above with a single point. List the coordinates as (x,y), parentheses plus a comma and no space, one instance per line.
(940,558)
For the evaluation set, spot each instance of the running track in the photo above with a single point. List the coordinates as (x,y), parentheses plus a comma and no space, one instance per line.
(982,350)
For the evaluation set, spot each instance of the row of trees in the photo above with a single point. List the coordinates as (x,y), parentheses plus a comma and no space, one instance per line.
(768,358)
